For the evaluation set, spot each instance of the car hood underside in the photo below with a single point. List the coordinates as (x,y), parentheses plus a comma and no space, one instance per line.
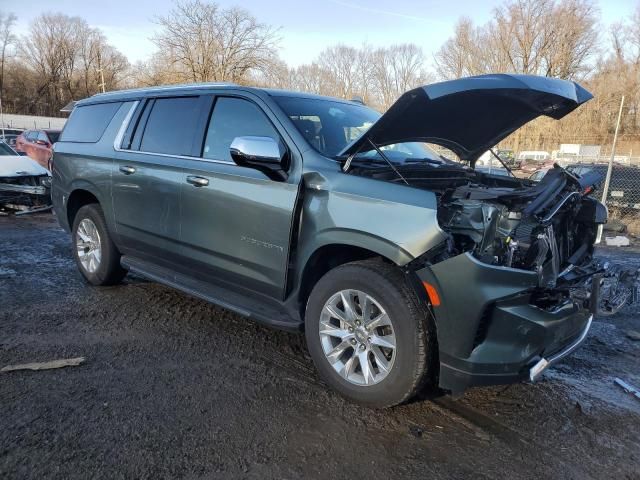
(470,115)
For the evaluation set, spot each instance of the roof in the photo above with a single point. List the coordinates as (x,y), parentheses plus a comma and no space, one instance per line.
(136,93)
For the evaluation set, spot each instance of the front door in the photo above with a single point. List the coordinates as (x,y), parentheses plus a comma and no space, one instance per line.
(147,177)
(236,222)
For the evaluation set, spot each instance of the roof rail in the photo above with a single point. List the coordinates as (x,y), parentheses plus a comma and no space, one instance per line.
(180,86)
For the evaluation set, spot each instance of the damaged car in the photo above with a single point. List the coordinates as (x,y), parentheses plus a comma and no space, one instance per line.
(405,269)
(24,185)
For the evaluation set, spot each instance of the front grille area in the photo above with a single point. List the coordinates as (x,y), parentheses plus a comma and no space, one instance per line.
(483,325)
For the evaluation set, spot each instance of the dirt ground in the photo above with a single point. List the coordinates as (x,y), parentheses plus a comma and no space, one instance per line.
(173,387)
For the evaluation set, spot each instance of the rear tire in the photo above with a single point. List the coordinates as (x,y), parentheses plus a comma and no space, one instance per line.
(96,255)
(399,351)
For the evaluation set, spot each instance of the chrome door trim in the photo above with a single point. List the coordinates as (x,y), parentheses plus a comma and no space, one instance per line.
(117,142)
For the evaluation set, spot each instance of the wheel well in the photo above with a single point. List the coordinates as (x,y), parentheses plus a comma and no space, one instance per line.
(77,200)
(324,259)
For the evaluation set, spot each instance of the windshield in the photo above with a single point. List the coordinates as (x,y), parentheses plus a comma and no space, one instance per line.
(6,149)
(329,126)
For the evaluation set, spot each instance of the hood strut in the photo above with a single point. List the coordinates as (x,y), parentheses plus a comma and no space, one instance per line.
(347,164)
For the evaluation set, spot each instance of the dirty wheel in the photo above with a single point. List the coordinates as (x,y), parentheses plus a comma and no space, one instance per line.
(96,255)
(369,335)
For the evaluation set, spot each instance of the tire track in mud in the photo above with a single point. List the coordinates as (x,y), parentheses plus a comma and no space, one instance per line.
(475,419)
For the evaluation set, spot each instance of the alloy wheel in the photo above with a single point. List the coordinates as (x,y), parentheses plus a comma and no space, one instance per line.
(357,337)
(88,245)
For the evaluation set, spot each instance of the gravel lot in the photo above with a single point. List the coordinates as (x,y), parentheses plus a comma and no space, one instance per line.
(176,388)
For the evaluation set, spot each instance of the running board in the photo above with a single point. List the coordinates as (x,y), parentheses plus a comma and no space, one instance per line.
(264,312)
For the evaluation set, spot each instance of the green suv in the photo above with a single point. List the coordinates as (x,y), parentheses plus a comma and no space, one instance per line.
(405,269)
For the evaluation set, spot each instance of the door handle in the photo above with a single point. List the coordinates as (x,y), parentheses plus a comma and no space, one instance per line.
(127,170)
(197,181)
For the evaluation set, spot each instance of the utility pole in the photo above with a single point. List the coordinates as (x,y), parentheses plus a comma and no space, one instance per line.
(101,84)
(613,153)
(1,118)
(100,69)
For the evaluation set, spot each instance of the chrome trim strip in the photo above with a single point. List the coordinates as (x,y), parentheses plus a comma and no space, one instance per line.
(544,363)
(123,128)
(559,206)
(184,157)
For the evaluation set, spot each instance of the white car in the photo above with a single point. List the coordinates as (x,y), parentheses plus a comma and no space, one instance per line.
(25,186)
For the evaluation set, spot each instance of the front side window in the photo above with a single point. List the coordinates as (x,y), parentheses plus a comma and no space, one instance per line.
(171,126)
(231,118)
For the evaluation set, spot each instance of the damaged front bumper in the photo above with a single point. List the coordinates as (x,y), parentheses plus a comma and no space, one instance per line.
(23,195)
(500,327)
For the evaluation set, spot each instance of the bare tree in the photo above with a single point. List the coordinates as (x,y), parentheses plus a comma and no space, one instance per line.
(397,69)
(68,59)
(7,38)
(204,42)
(340,64)
(544,37)
(459,55)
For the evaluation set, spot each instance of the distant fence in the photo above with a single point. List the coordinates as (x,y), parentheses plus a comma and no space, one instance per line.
(25,122)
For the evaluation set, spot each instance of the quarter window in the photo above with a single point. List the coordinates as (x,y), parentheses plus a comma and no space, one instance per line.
(88,123)
(171,126)
(231,118)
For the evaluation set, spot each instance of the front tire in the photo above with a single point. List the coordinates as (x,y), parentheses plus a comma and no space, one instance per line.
(96,255)
(369,335)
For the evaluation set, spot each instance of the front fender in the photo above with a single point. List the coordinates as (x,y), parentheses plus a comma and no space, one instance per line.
(396,221)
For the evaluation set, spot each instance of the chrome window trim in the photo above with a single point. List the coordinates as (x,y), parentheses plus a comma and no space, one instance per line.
(183,157)
(117,142)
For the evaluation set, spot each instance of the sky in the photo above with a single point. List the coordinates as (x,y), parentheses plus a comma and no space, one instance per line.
(306,27)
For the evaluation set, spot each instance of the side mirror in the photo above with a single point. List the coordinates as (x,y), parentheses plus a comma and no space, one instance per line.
(261,153)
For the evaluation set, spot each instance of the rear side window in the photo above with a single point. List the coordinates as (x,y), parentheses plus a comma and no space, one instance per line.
(171,126)
(231,118)
(88,123)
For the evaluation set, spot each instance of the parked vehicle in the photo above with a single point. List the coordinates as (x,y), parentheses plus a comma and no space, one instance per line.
(507,157)
(533,165)
(404,269)
(500,171)
(539,174)
(9,139)
(38,144)
(24,185)
(533,155)
(624,186)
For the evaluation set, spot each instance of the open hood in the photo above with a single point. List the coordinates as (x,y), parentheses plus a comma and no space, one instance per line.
(471,115)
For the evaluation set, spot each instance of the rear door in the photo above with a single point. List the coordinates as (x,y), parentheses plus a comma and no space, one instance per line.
(236,222)
(148,176)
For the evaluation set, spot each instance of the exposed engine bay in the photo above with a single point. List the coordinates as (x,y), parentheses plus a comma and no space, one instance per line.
(548,227)
(544,227)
